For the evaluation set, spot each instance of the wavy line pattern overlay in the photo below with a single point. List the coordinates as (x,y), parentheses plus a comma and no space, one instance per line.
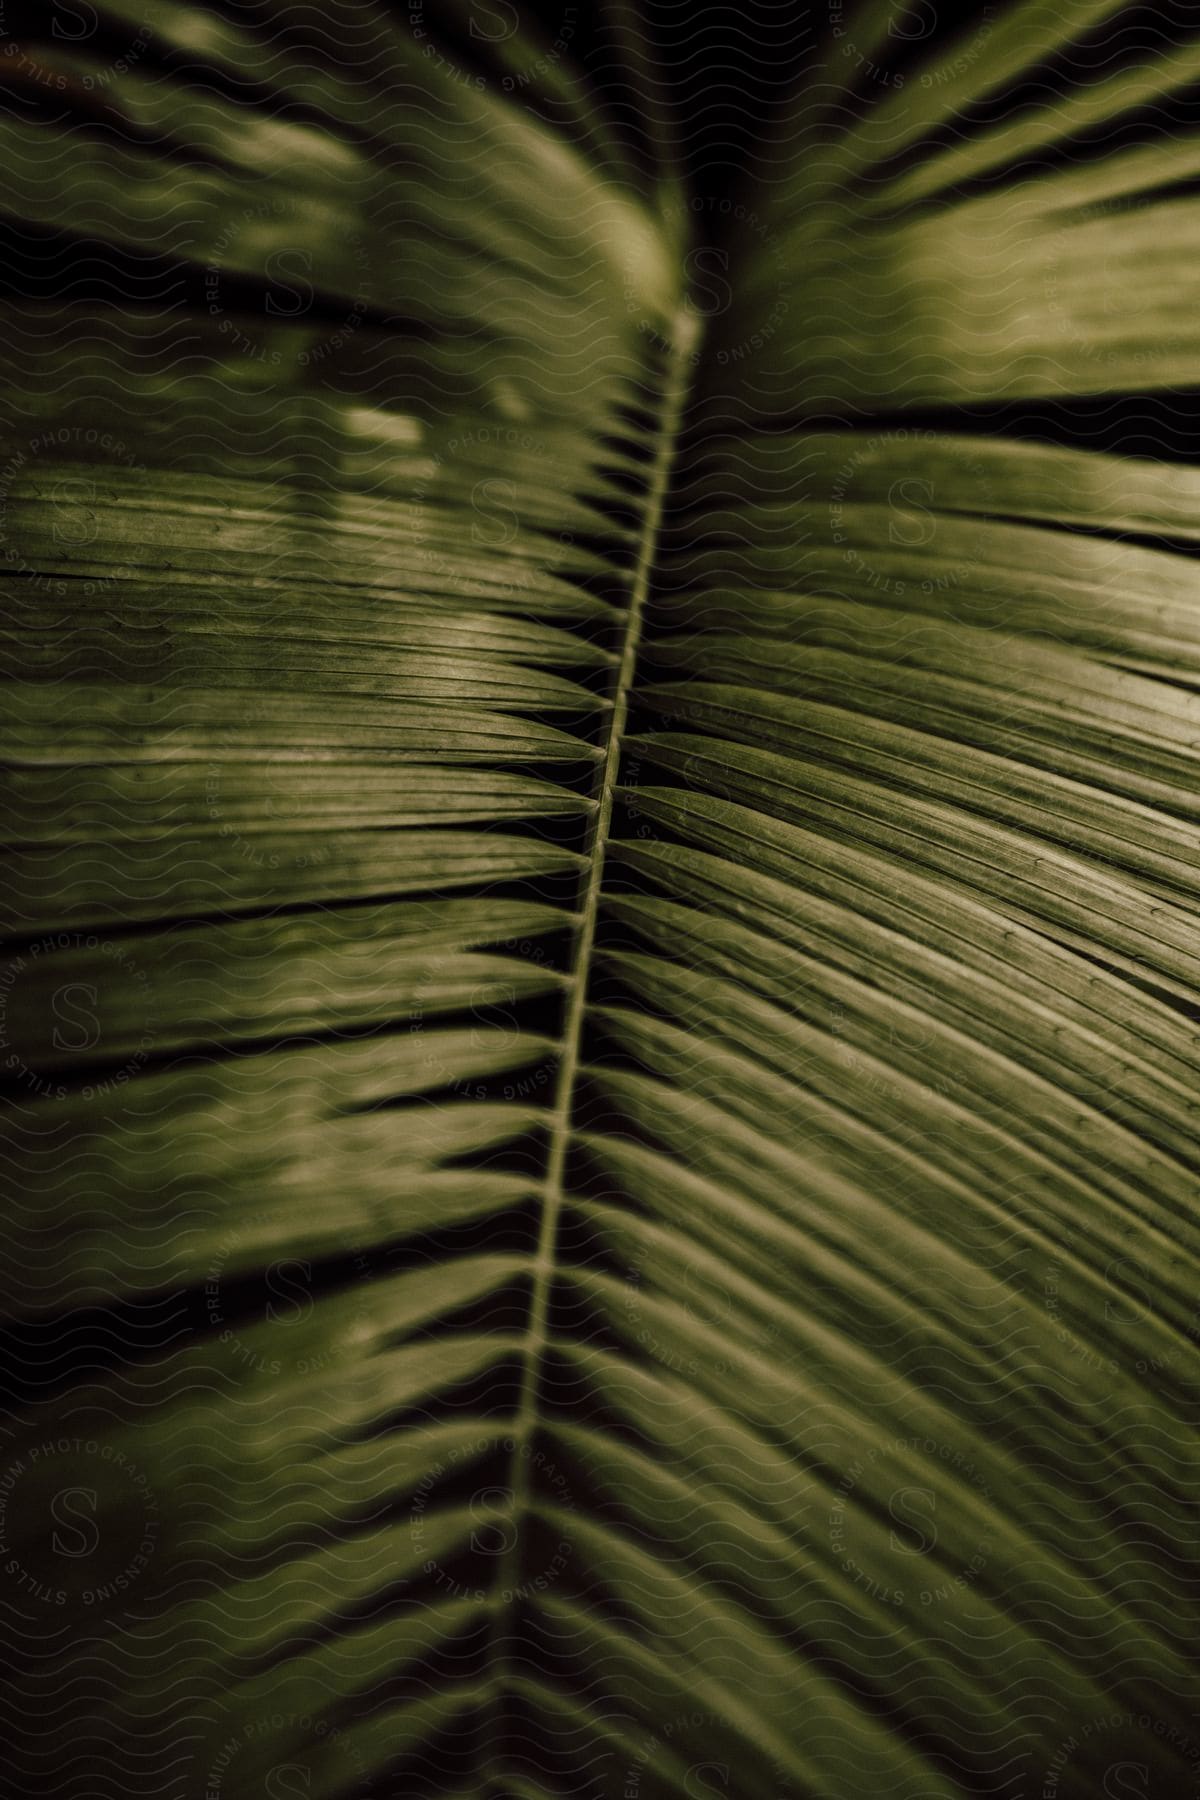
(598,1011)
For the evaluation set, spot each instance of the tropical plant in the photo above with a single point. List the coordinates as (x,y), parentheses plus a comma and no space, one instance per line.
(601,1014)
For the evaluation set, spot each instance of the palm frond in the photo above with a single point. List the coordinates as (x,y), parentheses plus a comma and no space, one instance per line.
(600,1007)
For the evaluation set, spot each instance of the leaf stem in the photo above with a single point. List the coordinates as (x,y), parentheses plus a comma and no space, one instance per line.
(684,335)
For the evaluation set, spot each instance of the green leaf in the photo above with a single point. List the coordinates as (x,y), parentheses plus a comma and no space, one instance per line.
(599,1014)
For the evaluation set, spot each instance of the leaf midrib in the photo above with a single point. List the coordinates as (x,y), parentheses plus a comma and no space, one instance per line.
(685,333)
